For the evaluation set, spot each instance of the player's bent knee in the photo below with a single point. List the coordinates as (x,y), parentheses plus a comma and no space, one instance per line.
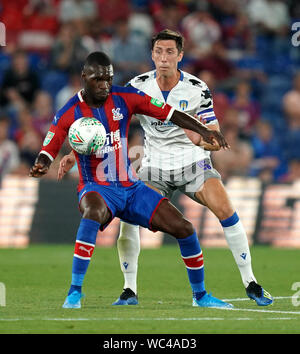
(95,214)
(223,213)
(183,229)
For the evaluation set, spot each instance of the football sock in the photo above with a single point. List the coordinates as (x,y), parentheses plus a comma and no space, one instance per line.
(238,243)
(192,256)
(84,247)
(128,245)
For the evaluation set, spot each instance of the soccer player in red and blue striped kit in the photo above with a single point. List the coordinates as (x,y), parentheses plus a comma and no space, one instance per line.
(108,186)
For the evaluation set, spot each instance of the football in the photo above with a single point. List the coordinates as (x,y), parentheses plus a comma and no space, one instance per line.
(87,135)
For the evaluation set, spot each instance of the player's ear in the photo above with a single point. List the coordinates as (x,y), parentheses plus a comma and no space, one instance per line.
(180,56)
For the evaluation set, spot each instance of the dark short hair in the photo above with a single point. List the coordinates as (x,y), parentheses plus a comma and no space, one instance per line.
(167,34)
(97,58)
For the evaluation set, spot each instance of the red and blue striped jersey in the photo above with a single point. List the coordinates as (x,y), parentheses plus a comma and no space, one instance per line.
(111,165)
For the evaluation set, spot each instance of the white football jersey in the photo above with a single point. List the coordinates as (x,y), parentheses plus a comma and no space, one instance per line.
(166,145)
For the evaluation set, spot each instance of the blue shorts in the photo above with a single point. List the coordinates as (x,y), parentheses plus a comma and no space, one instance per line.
(136,204)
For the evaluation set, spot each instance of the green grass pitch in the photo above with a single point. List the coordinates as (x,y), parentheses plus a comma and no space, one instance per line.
(37,280)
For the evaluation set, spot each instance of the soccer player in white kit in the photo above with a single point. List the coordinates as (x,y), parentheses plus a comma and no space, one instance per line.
(171,161)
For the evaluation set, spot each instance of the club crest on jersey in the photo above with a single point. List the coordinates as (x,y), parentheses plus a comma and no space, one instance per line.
(48,138)
(183,104)
(117,115)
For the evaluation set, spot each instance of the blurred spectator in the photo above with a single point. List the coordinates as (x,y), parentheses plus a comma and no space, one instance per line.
(220,100)
(271,16)
(231,119)
(293,173)
(39,25)
(201,31)
(167,14)
(294,9)
(77,10)
(27,137)
(248,108)
(20,83)
(141,24)
(68,91)
(68,52)
(42,112)
(217,62)
(291,104)
(12,15)
(236,30)
(9,153)
(291,135)
(268,162)
(130,54)
(112,11)
(238,36)
(237,160)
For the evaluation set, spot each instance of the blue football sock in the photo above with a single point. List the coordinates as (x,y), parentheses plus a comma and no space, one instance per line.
(192,256)
(84,247)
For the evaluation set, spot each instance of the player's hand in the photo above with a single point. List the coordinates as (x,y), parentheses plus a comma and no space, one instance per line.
(40,167)
(66,163)
(210,147)
(197,139)
(211,137)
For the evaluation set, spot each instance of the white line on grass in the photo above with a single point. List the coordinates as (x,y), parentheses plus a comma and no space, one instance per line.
(247,298)
(145,319)
(177,318)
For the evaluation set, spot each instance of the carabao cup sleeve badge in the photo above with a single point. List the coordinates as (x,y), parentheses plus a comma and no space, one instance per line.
(156,102)
(48,138)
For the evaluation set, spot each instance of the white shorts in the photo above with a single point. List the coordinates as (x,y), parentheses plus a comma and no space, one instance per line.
(187,179)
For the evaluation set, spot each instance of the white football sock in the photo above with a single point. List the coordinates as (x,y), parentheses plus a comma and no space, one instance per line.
(128,245)
(238,243)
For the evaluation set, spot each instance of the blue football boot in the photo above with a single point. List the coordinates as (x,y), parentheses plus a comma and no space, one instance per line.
(73,300)
(257,293)
(208,300)
(128,297)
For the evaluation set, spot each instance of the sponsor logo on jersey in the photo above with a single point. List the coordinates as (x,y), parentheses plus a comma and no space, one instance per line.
(117,115)
(113,142)
(48,138)
(183,104)
(162,126)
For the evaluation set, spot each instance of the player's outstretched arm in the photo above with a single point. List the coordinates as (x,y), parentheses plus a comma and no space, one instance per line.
(40,167)
(197,139)
(209,136)
(66,163)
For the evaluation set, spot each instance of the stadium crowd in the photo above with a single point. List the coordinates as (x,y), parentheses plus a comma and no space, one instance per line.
(242,49)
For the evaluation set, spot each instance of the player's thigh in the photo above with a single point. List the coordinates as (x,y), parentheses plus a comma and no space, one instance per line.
(92,206)
(157,180)
(214,195)
(169,219)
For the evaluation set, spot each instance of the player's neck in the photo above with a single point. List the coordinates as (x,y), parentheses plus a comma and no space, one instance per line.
(167,82)
(91,102)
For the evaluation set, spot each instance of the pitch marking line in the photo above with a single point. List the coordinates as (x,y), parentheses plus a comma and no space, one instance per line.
(146,319)
(247,298)
(174,318)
